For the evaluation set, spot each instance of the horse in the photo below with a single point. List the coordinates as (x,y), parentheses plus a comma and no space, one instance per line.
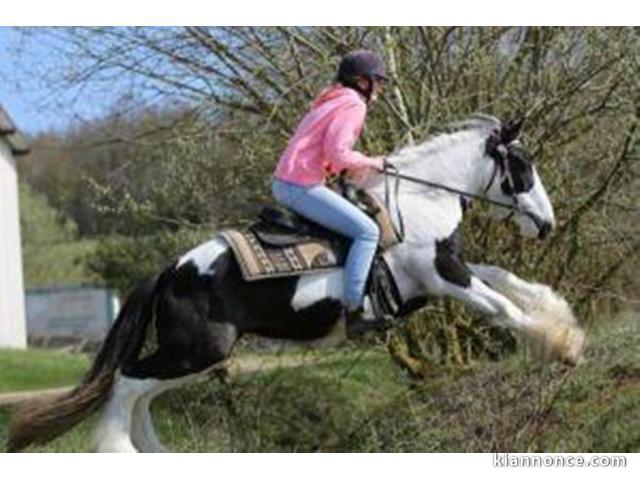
(200,304)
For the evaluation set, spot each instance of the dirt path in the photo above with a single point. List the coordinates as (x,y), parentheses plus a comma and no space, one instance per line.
(17,397)
(256,363)
(235,366)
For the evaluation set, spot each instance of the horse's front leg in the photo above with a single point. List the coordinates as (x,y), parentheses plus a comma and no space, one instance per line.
(450,276)
(552,315)
(482,298)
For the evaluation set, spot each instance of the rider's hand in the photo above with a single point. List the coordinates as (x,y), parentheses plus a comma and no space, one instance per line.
(381,163)
(386,164)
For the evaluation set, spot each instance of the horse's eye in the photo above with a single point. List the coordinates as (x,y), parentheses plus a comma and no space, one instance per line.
(506,187)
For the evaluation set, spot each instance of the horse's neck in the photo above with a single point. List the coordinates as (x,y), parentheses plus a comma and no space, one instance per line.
(454,160)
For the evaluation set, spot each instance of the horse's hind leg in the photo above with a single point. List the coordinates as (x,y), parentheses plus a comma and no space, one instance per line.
(112,431)
(143,433)
(126,424)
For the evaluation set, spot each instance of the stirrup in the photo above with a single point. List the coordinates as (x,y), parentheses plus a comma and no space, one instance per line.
(357,326)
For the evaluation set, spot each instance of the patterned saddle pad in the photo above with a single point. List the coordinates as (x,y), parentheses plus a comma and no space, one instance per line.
(259,261)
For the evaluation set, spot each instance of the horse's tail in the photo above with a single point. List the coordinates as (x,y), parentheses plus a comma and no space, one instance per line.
(555,327)
(40,421)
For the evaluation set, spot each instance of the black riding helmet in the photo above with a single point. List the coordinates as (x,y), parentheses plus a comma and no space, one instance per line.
(361,63)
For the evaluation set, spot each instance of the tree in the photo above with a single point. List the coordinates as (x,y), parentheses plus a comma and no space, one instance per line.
(51,250)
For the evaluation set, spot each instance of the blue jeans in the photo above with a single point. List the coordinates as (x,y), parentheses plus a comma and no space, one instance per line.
(327,208)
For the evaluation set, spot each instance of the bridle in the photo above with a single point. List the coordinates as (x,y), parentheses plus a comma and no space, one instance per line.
(500,156)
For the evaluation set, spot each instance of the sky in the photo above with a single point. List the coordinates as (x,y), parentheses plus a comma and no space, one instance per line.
(20,106)
(34,107)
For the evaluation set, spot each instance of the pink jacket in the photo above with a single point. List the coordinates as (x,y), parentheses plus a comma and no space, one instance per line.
(323,142)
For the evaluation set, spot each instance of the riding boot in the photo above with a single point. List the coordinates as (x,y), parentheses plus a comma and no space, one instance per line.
(357,325)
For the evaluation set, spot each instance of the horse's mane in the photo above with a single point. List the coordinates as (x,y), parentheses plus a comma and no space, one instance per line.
(477,121)
(448,135)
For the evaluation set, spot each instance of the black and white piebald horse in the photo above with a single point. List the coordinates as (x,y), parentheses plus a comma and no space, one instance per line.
(200,305)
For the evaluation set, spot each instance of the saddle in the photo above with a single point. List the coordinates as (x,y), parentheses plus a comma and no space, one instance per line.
(281,243)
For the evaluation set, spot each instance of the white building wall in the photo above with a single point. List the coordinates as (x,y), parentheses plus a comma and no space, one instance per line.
(13,332)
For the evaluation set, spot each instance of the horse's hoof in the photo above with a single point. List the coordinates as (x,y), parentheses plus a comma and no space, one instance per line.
(574,347)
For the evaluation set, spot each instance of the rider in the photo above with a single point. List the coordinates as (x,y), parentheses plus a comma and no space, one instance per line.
(323,145)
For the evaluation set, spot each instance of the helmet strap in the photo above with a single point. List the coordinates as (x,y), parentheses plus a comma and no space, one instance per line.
(365,92)
(369,90)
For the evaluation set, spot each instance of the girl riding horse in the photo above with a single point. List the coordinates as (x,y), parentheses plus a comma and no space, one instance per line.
(323,145)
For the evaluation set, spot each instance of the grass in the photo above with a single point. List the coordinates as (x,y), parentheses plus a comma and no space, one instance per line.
(39,369)
(358,400)
(34,369)
(307,408)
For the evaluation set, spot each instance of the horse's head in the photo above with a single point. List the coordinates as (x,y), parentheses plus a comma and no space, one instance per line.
(515,181)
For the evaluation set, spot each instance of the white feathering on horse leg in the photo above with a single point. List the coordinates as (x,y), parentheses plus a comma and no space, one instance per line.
(113,431)
(143,432)
(554,326)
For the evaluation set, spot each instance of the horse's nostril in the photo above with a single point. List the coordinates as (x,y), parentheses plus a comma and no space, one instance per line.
(544,231)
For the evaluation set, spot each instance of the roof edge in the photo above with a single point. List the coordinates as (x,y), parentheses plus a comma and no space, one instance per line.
(9,133)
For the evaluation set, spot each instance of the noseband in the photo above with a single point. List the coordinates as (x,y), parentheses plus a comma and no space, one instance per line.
(499,152)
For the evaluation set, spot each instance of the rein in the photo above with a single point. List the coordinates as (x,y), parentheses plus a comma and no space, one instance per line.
(392,170)
(401,176)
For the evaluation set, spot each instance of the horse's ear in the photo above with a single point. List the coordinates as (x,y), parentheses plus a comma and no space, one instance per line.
(510,130)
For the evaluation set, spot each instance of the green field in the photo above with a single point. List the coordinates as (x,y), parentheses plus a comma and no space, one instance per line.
(38,369)
(358,400)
